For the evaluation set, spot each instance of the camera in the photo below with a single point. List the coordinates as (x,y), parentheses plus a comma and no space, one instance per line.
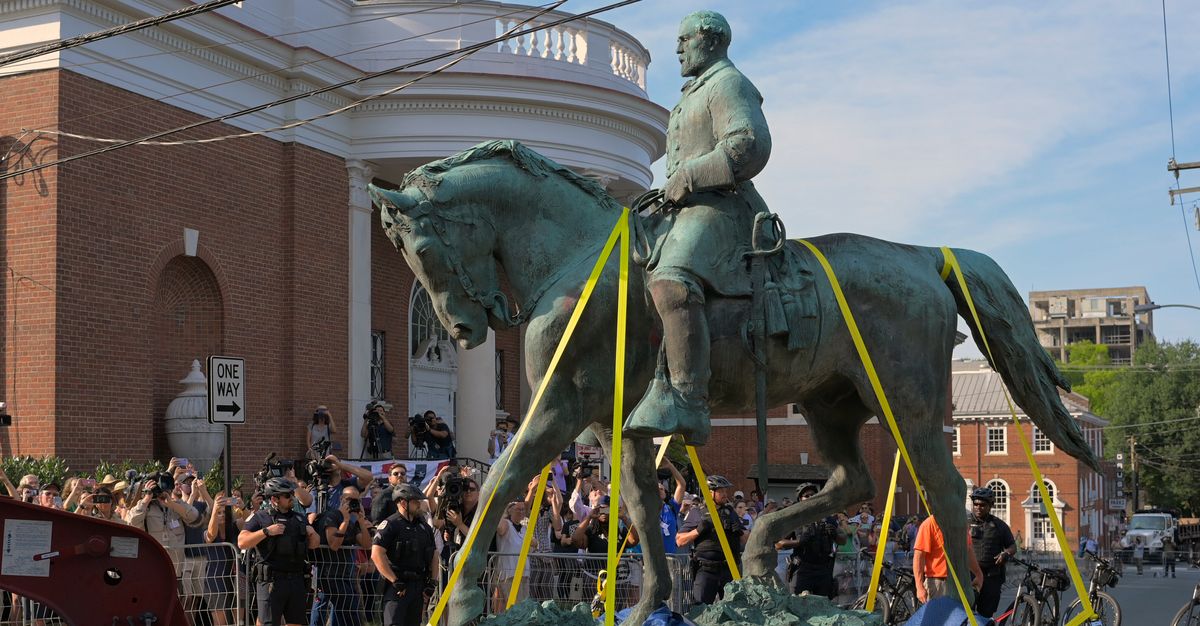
(454,490)
(418,425)
(581,468)
(272,469)
(354,506)
(318,469)
(164,482)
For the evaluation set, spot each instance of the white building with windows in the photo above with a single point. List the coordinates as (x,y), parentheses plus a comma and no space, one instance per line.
(988,452)
(297,275)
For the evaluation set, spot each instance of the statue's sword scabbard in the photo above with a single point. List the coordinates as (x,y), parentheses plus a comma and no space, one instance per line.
(758,328)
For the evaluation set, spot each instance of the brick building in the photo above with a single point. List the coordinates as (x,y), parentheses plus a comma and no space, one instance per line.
(121,269)
(1101,316)
(988,453)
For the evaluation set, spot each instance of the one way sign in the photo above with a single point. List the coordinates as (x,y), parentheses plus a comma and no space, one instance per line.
(226,390)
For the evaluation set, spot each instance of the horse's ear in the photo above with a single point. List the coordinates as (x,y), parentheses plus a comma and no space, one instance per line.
(388,198)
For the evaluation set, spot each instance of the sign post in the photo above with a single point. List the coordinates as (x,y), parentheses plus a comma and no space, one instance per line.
(227,405)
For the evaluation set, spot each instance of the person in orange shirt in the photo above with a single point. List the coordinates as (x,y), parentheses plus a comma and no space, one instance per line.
(930,571)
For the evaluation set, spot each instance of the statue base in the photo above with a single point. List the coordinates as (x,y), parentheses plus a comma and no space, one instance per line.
(746,603)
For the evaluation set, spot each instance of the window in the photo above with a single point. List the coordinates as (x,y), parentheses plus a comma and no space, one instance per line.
(997,440)
(1036,494)
(1041,443)
(377,387)
(425,324)
(1000,508)
(499,380)
(954,441)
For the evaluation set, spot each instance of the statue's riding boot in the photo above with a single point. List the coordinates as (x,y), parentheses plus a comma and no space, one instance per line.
(678,405)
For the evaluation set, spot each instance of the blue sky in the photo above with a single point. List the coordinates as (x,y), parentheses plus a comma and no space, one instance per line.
(1036,132)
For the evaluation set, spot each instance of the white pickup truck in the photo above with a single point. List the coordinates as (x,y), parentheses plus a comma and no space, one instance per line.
(1153,527)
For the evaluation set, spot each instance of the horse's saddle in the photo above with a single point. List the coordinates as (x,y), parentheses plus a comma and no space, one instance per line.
(789,298)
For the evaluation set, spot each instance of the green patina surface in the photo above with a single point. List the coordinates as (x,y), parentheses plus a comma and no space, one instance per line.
(748,602)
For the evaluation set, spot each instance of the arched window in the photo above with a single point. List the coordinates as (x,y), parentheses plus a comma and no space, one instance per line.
(1000,508)
(1036,494)
(425,323)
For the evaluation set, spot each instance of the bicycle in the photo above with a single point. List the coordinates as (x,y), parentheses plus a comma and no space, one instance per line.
(1189,615)
(1108,611)
(1037,601)
(896,600)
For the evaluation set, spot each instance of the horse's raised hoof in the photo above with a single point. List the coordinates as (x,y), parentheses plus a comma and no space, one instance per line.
(665,411)
(467,603)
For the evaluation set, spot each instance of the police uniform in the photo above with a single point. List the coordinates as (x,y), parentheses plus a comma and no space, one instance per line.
(810,567)
(708,560)
(410,548)
(282,570)
(989,537)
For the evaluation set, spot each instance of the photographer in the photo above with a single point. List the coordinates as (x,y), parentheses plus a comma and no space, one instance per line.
(453,512)
(282,538)
(810,566)
(162,514)
(329,481)
(499,438)
(340,528)
(377,431)
(431,433)
(321,429)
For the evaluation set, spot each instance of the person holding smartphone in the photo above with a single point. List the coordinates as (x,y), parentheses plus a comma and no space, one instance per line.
(342,530)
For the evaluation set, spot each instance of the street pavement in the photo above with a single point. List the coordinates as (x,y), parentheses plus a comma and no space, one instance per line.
(1145,600)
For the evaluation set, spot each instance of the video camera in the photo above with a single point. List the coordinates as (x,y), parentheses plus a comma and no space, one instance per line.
(581,468)
(164,482)
(418,425)
(454,491)
(318,469)
(277,469)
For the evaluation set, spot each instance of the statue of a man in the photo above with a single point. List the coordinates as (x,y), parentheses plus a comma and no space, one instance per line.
(717,141)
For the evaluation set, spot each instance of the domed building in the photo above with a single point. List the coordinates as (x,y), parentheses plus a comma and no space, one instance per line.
(122,268)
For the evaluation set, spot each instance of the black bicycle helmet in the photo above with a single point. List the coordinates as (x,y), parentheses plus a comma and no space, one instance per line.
(984,493)
(278,487)
(718,482)
(407,491)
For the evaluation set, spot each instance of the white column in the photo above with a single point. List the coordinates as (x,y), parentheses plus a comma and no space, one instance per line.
(476,416)
(358,356)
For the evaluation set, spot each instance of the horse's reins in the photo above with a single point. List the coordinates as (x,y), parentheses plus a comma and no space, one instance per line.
(489,300)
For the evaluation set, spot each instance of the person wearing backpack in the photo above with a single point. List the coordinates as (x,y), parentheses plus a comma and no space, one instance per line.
(810,567)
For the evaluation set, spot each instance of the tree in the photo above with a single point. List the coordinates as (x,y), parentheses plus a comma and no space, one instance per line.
(1157,402)
(1095,384)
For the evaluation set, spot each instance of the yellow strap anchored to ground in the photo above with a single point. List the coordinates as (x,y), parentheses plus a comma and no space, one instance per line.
(622,226)
(712,512)
(881,541)
(1088,611)
(614,499)
(528,540)
(868,365)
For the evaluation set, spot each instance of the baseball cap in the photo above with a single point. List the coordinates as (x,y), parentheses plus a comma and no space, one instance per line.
(737,495)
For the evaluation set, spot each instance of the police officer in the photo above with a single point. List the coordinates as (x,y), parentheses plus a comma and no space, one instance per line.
(403,551)
(993,543)
(810,566)
(708,560)
(283,537)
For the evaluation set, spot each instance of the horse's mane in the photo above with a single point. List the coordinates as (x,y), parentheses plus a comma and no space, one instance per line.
(429,176)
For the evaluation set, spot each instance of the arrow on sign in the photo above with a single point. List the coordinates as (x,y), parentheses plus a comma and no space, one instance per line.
(231,409)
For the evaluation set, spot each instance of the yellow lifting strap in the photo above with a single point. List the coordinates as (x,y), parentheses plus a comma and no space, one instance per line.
(621,228)
(881,542)
(869,366)
(1088,612)
(712,512)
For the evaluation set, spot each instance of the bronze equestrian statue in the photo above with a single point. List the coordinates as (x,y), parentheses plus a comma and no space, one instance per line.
(457,221)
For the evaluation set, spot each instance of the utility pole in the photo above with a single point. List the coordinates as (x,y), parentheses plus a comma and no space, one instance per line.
(1134,469)
(1175,168)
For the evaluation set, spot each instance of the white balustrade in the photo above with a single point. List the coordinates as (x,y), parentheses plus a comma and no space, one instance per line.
(560,43)
(628,65)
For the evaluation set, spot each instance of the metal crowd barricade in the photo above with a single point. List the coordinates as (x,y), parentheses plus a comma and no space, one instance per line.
(569,579)
(210,582)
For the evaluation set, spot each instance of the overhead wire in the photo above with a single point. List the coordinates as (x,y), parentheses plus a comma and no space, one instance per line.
(382,16)
(221,118)
(1171,118)
(148,102)
(64,44)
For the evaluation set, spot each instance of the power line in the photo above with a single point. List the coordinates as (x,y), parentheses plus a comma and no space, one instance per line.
(64,44)
(144,103)
(309,120)
(1171,118)
(1141,424)
(382,16)
(437,57)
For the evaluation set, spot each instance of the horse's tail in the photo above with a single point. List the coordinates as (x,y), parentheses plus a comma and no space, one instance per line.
(1016,354)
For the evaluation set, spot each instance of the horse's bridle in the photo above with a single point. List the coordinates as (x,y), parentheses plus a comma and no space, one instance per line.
(496,298)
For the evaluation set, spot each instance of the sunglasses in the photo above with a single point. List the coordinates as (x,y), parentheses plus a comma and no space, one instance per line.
(402,474)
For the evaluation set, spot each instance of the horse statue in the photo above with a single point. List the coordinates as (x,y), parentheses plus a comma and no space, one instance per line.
(457,221)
